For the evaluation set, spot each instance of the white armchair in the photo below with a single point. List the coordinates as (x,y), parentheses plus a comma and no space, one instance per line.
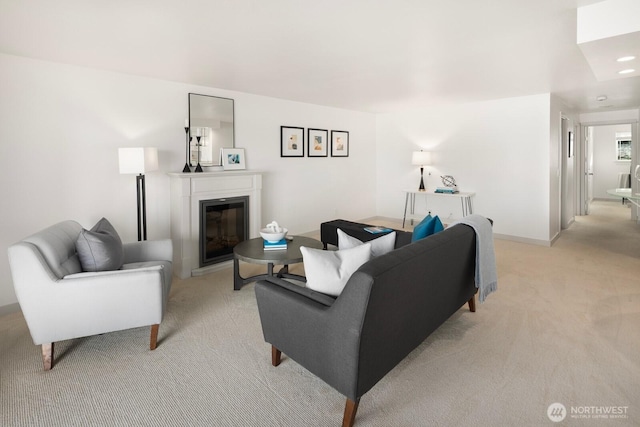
(60,302)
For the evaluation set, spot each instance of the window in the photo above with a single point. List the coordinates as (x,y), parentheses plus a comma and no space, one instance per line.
(623,146)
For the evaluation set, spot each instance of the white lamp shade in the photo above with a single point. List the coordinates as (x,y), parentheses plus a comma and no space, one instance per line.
(421,158)
(138,160)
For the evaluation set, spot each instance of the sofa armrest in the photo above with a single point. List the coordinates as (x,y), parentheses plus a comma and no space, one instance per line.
(306,292)
(320,338)
(148,250)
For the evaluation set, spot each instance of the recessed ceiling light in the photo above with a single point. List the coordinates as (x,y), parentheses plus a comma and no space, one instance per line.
(601,98)
(626,58)
(627,71)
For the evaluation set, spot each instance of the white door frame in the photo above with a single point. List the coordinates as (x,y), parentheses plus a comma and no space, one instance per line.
(635,160)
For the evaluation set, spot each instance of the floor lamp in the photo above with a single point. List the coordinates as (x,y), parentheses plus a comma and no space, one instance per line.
(139,161)
(422,159)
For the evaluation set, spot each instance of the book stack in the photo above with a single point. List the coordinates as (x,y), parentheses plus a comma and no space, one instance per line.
(447,190)
(275,246)
(376,230)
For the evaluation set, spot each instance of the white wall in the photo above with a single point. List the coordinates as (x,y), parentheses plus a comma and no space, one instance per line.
(62,125)
(605,166)
(498,149)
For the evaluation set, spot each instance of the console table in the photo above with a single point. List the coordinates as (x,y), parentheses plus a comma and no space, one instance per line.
(466,201)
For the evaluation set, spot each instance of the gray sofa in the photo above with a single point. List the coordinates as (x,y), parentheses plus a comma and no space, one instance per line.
(387,308)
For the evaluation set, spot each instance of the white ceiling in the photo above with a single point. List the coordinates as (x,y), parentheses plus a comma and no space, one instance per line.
(366,55)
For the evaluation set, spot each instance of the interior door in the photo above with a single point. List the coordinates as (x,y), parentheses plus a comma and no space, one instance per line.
(588,168)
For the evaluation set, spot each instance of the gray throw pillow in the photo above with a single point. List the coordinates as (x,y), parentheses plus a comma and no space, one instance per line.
(100,249)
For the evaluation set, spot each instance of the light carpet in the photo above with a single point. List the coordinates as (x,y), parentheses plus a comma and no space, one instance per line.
(564,326)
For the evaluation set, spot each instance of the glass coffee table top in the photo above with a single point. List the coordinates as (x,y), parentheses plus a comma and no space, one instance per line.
(252,251)
(625,193)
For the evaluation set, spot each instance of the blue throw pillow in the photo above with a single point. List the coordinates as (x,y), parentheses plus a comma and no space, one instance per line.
(420,230)
(435,225)
(428,226)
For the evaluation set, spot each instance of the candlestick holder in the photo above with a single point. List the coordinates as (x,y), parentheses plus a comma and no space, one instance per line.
(186,168)
(198,167)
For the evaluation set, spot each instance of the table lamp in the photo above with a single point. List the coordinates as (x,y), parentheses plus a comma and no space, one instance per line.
(138,161)
(422,159)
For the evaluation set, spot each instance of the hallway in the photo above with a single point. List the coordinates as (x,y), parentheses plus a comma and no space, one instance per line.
(608,227)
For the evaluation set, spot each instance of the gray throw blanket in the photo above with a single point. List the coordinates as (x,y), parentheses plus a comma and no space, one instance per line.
(486,274)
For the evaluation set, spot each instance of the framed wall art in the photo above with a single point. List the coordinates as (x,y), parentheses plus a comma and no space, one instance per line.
(232,158)
(317,142)
(339,143)
(291,141)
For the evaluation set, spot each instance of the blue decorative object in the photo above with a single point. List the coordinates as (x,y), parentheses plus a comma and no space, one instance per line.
(420,230)
(428,226)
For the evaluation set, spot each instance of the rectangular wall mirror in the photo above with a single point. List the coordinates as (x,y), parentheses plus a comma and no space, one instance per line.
(211,119)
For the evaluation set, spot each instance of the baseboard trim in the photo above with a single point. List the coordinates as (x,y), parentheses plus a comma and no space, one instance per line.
(526,240)
(9,308)
(381,218)
(197,272)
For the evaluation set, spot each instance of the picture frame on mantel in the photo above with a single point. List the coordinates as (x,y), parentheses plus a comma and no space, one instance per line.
(291,141)
(339,143)
(232,159)
(317,142)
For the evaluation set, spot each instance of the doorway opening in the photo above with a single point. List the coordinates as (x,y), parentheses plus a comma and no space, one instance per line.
(609,156)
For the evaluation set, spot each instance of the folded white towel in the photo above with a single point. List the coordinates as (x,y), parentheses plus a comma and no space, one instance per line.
(486,273)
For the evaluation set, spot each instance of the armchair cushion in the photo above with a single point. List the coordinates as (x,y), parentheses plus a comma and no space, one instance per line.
(100,249)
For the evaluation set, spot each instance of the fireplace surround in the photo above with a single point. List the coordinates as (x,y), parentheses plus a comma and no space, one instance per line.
(188,190)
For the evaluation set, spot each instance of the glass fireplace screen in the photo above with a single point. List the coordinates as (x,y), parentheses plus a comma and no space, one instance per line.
(223,224)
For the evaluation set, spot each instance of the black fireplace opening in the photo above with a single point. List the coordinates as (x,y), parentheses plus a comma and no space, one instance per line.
(223,224)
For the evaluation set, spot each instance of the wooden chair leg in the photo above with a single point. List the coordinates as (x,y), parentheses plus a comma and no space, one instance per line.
(154,337)
(350,410)
(472,304)
(276,356)
(47,356)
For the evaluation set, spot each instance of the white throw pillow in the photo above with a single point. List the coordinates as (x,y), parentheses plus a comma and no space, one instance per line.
(379,246)
(329,271)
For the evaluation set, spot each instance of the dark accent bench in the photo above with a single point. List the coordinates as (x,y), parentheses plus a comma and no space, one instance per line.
(329,232)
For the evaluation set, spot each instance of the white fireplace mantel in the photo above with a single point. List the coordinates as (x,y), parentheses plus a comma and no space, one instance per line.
(187,190)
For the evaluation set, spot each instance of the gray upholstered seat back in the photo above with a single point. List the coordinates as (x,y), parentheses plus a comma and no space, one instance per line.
(414,290)
(57,244)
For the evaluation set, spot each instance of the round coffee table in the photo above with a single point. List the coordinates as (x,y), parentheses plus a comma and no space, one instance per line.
(252,251)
